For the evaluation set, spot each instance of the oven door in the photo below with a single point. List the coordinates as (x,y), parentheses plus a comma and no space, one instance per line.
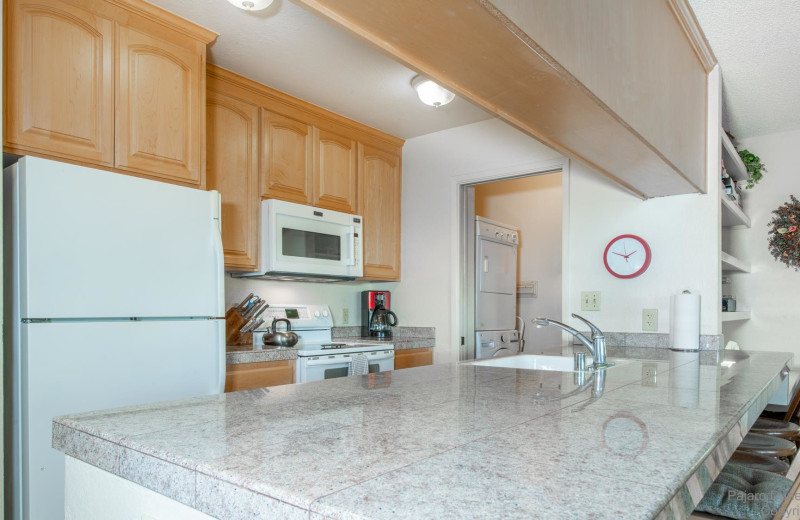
(306,241)
(318,368)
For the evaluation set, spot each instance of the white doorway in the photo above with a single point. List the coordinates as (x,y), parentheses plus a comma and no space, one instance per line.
(535,202)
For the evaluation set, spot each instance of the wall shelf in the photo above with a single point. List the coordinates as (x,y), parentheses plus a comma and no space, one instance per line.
(733,163)
(735,316)
(732,214)
(733,264)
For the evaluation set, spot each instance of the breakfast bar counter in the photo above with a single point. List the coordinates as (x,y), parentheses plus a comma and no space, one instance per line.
(444,441)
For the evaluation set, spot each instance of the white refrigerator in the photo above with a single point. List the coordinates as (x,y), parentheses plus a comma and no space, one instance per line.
(114,298)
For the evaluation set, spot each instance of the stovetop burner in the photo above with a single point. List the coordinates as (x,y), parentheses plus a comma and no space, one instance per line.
(327,346)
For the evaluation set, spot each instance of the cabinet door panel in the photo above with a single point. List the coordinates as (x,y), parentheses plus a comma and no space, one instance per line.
(59,80)
(159,118)
(380,197)
(258,375)
(232,169)
(415,357)
(335,174)
(286,158)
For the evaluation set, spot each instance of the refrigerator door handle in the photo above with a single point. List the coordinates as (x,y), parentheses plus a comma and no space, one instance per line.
(216,231)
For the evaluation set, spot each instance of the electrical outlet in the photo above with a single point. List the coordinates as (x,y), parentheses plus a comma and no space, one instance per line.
(650,320)
(345,316)
(590,300)
(649,374)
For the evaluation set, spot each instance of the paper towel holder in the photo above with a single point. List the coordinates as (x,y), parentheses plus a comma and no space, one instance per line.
(685,337)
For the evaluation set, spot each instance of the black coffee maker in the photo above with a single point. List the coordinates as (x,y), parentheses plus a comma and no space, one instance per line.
(376,318)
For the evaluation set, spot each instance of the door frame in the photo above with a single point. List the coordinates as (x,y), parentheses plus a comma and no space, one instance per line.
(462,203)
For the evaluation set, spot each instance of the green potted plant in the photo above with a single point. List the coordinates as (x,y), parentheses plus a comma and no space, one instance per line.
(754,167)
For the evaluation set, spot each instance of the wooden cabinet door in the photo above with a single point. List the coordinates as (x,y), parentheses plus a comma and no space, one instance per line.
(247,376)
(160,118)
(335,172)
(59,81)
(232,169)
(379,204)
(286,158)
(413,357)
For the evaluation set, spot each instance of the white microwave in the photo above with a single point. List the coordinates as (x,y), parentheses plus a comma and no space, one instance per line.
(304,243)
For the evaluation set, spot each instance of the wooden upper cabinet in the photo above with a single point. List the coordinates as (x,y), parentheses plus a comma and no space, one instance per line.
(379,204)
(335,171)
(286,158)
(232,169)
(115,84)
(160,116)
(59,81)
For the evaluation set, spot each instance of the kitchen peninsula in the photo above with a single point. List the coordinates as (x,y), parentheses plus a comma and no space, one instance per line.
(442,441)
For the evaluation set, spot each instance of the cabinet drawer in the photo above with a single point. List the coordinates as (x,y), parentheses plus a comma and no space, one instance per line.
(247,376)
(413,357)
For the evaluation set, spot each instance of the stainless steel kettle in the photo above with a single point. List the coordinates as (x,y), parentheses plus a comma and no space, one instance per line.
(280,338)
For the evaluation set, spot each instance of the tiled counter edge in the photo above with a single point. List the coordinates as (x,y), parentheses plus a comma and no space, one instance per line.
(707,470)
(210,495)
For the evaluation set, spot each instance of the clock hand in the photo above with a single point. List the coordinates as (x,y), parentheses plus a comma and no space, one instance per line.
(629,254)
(620,254)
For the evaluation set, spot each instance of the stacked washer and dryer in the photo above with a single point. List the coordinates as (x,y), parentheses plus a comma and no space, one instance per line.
(495,289)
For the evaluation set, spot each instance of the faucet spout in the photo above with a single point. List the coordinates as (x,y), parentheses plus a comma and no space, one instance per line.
(541,322)
(596,347)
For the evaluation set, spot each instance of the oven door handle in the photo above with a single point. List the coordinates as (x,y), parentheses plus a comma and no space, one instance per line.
(311,362)
(378,357)
(336,360)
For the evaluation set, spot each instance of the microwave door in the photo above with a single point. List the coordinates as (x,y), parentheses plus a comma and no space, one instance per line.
(303,245)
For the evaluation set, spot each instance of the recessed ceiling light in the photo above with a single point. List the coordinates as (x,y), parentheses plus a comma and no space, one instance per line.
(251,5)
(430,93)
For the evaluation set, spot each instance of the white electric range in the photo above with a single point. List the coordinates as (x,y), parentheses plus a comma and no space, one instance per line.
(318,356)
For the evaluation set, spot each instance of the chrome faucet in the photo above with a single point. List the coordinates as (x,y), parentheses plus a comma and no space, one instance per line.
(596,347)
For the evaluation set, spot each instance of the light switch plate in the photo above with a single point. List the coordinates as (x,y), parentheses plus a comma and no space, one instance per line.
(650,320)
(590,300)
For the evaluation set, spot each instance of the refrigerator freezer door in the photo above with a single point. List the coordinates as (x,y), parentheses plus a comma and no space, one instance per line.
(77,367)
(95,244)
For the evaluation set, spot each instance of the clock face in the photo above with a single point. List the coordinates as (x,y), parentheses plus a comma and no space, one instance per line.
(627,256)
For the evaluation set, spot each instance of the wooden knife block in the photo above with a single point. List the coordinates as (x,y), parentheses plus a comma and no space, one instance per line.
(234,322)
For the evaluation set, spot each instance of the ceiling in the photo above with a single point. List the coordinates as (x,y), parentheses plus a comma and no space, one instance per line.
(756,44)
(295,52)
(291,50)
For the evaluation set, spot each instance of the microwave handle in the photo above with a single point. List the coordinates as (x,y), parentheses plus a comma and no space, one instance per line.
(351,245)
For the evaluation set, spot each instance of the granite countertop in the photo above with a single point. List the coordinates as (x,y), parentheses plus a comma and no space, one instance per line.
(404,338)
(444,441)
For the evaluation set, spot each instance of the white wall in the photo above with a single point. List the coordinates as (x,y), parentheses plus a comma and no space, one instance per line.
(431,164)
(338,296)
(771,290)
(683,234)
(683,231)
(533,204)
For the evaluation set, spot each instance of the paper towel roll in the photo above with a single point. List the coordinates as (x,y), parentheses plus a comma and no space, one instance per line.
(684,326)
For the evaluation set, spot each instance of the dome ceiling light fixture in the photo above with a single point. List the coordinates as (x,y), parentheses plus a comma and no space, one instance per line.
(251,5)
(431,93)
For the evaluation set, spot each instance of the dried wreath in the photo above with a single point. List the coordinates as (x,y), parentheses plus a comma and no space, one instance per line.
(783,238)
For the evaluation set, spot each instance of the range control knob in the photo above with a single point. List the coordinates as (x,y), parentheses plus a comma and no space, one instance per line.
(514,237)
(503,338)
(316,313)
(497,234)
(325,313)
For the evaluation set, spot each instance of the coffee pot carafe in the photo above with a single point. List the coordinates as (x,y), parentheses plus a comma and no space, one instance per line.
(381,322)
(376,318)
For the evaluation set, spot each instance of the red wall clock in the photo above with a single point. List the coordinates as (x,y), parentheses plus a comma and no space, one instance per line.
(627,256)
